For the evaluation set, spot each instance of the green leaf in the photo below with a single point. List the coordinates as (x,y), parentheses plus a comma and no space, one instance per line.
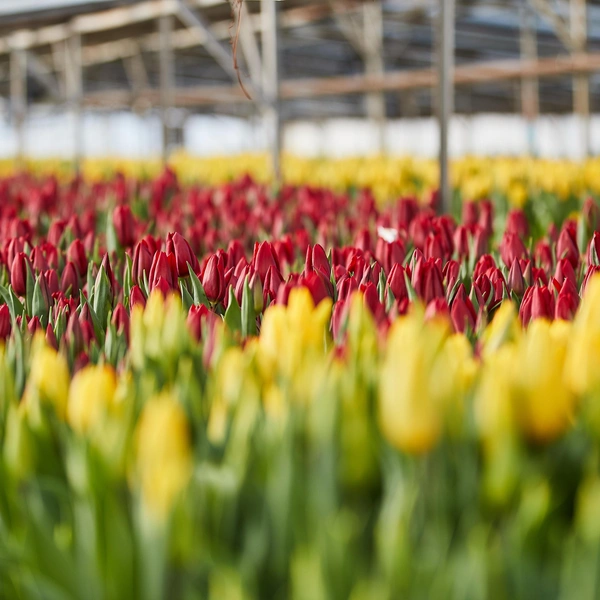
(412,294)
(39,304)
(29,289)
(248,314)
(127,281)
(96,322)
(186,297)
(100,297)
(233,314)
(199,293)
(112,244)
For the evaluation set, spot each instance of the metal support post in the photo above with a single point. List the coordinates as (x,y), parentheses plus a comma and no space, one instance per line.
(373,54)
(530,101)
(271,84)
(18,99)
(445,64)
(581,82)
(167,81)
(74,91)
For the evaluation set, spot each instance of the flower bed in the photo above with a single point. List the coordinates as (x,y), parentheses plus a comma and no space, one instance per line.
(222,393)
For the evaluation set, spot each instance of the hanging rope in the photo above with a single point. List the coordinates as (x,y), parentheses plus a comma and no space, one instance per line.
(236,13)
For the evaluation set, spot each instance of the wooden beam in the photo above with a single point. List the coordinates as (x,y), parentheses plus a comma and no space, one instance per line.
(559,25)
(466,74)
(206,38)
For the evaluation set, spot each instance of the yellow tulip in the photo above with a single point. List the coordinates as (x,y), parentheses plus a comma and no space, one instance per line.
(91,396)
(163,464)
(49,376)
(410,414)
(544,403)
(583,358)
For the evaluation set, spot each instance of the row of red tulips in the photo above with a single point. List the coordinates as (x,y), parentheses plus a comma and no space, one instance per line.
(74,257)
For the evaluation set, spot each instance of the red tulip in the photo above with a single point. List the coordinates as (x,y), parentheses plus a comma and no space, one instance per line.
(593,252)
(69,282)
(76,255)
(142,262)
(124,225)
(516,281)
(567,301)
(213,279)
(462,312)
(512,247)
(178,245)
(566,247)
(5,322)
(389,254)
(438,307)
(18,273)
(51,337)
(136,297)
(516,222)
(163,267)
(120,319)
(397,282)
(263,258)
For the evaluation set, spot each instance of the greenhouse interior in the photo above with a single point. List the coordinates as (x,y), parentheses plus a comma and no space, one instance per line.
(298,299)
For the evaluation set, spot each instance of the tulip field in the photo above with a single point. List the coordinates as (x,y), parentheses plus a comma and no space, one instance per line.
(236,390)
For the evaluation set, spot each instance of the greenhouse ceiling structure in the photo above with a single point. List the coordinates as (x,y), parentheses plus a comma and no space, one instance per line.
(302,59)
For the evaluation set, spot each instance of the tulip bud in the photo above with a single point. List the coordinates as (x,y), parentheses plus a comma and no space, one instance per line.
(462,313)
(142,262)
(486,216)
(124,225)
(51,338)
(516,281)
(264,257)
(34,325)
(470,212)
(76,255)
(567,301)
(69,282)
(338,318)
(51,279)
(516,222)
(74,333)
(120,319)
(564,270)
(566,247)
(18,273)
(437,308)
(484,265)
(397,282)
(213,279)
(512,247)
(38,260)
(178,245)
(461,241)
(272,282)
(136,296)
(389,254)
(235,252)
(5,322)
(163,267)
(315,283)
